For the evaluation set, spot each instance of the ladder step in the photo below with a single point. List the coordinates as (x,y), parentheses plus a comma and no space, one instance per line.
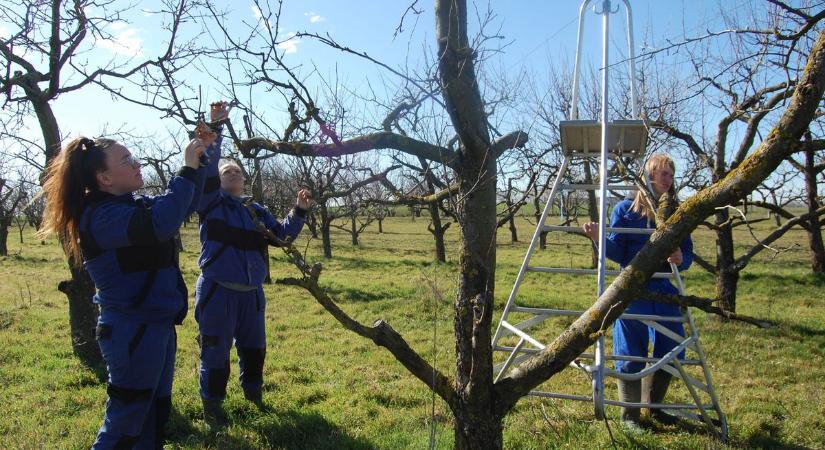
(659,405)
(591,187)
(573,229)
(581,398)
(574,313)
(609,357)
(589,271)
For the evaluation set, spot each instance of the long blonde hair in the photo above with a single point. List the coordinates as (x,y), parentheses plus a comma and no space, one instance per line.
(70,177)
(642,206)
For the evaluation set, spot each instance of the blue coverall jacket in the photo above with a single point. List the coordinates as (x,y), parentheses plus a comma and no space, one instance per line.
(232,246)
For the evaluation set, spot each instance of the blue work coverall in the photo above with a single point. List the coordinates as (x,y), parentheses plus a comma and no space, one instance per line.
(229,296)
(128,248)
(631,337)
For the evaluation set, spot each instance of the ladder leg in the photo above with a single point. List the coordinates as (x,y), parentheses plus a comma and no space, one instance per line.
(697,399)
(598,379)
(509,360)
(531,248)
(700,351)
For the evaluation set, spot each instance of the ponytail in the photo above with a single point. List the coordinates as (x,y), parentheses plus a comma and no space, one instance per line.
(70,177)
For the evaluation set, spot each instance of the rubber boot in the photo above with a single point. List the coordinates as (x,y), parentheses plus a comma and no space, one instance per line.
(630,391)
(658,384)
(213,414)
(255,396)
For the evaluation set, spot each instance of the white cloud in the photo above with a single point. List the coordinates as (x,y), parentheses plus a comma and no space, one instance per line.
(259,15)
(289,44)
(125,41)
(4,32)
(256,12)
(313,17)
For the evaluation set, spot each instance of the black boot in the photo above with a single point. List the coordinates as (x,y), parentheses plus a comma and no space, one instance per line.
(255,396)
(659,383)
(630,391)
(213,414)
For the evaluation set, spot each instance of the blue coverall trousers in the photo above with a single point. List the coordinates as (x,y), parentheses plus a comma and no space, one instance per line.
(141,362)
(631,337)
(225,315)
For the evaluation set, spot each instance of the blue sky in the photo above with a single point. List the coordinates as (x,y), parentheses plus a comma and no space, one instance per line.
(541,32)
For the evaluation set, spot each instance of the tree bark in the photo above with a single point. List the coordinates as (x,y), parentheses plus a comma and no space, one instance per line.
(727,276)
(4,238)
(353,229)
(82,315)
(476,427)
(438,233)
(513,232)
(325,237)
(814,223)
(592,211)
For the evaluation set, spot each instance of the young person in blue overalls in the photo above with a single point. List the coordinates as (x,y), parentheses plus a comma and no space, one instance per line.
(229,295)
(631,337)
(126,245)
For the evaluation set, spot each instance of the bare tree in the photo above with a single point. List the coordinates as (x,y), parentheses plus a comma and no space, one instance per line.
(12,196)
(813,169)
(749,85)
(46,57)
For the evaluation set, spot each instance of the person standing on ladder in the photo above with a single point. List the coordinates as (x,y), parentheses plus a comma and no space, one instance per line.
(229,297)
(631,337)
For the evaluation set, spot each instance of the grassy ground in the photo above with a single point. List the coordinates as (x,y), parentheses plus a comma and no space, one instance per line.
(328,388)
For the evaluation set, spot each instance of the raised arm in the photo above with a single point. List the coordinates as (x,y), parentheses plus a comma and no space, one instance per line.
(212,182)
(116,224)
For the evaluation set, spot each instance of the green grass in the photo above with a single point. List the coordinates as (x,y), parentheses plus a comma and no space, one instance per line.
(329,388)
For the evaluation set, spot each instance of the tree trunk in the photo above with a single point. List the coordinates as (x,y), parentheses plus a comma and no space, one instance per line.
(79,289)
(478,430)
(82,315)
(814,224)
(325,238)
(380,226)
(513,233)
(727,277)
(312,224)
(353,229)
(4,238)
(438,233)
(476,425)
(543,235)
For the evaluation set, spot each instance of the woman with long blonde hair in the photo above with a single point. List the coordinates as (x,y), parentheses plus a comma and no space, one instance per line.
(631,337)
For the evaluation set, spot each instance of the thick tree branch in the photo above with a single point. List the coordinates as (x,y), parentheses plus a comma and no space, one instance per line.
(703,263)
(743,260)
(516,139)
(374,141)
(705,304)
(778,210)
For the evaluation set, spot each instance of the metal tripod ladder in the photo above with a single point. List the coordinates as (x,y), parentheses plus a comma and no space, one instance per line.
(607,140)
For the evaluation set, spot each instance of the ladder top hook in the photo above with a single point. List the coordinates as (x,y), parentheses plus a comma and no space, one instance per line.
(605,7)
